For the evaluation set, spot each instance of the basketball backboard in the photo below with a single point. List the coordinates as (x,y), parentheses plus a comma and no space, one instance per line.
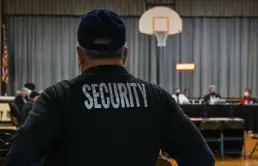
(160,21)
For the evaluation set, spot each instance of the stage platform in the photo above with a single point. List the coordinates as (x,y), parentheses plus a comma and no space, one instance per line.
(237,161)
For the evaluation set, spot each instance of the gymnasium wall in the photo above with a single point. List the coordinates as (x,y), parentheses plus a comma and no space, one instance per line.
(72,7)
(217,8)
(221,38)
(193,8)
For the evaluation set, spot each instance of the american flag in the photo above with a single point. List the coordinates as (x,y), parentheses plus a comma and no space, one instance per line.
(4,58)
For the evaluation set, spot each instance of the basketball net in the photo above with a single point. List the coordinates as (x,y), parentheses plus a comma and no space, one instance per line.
(161,39)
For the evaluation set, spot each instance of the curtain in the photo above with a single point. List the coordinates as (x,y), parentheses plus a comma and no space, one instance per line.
(224,51)
(42,50)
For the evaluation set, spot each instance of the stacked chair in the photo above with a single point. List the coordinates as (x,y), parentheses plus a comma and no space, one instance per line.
(224,136)
(212,132)
(5,144)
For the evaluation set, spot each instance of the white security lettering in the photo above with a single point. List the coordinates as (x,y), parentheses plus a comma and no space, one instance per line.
(135,94)
(130,94)
(115,102)
(88,103)
(95,95)
(103,87)
(123,95)
(115,95)
(144,95)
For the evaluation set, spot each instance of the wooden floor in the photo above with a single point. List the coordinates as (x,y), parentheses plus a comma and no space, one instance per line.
(238,161)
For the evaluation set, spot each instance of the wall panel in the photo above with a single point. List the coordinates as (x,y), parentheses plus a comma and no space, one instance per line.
(217,8)
(42,50)
(214,8)
(72,7)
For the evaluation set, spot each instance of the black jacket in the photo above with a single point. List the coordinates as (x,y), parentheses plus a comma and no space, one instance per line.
(25,110)
(20,101)
(106,116)
(208,96)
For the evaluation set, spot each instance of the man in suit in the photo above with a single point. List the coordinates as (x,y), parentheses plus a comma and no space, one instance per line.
(212,95)
(22,98)
(28,106)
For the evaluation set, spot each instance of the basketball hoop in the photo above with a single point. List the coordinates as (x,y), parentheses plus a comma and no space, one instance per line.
(160,21)
(161,38)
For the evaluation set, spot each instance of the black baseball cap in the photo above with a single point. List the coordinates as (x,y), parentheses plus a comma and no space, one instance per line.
(34,94)
(101,30)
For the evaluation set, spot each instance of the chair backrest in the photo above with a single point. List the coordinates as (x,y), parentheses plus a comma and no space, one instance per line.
(210,125)
(240,125)
(5,143)
(6,136)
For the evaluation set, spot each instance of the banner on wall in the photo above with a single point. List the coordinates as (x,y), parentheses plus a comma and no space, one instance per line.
(4,66)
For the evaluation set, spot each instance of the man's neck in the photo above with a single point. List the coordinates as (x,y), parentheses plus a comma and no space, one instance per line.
(85,67)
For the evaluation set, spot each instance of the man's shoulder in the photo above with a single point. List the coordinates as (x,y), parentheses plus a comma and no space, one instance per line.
(60,88)
(207,95)
(18,97)
(182,95)
(218,95)
(153,87)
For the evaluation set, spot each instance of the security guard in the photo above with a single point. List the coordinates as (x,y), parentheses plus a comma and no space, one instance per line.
(106,116)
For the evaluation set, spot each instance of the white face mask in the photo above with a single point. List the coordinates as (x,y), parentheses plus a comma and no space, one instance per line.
(246,94)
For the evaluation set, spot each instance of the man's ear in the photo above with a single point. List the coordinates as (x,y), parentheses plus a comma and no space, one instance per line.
(79,55)
(125,54)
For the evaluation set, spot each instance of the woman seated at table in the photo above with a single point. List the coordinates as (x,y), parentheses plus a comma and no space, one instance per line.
(247,97)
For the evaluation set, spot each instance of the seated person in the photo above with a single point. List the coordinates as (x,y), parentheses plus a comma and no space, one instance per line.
(28,106)
(179,97)
(212,96)
(247,98)
(22,98)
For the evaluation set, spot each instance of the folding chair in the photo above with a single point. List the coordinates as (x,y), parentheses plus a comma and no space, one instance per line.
(212,132)
(255,146)
(234,132)
(5,144)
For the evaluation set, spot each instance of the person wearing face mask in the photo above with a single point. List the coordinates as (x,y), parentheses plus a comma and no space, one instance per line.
(28,106)
(212,95)
(247,97)
(22,97)
(179,97)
